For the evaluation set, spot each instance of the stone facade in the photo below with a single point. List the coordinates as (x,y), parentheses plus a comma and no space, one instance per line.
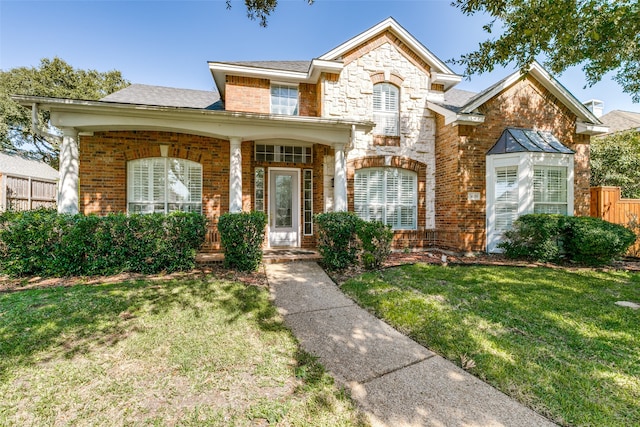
(351,96)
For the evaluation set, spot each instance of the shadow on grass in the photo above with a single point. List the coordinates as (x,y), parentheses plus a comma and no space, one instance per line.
(43,324)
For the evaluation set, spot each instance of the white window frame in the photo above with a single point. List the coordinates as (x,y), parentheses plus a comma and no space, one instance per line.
(386,109)
(159,198)
(282,100)
(526,163)
(363,202)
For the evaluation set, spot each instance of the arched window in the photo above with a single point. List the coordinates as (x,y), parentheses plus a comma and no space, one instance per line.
(389,195)
(386,107)
(164,185)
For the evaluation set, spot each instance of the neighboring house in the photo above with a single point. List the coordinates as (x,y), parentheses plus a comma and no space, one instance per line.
(373,126)
(620,121)
(26,183)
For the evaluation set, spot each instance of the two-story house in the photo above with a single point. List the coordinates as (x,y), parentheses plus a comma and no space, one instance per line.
(373,126)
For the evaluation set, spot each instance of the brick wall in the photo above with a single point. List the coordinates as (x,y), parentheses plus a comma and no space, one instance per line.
(247,94)
(103,170)
(461,159)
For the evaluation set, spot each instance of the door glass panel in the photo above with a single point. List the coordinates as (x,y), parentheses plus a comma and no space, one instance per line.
(284,201)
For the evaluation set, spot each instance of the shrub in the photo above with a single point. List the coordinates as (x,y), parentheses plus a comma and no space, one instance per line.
(594,241)
(375,239)
(337,238)
(536,237)
(242,235)
(44,243)
(586,240)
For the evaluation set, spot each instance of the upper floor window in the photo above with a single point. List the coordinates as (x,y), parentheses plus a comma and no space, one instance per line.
(386,109)
(164,185)
(284,99)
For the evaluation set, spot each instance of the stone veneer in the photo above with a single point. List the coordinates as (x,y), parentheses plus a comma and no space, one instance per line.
(351,97)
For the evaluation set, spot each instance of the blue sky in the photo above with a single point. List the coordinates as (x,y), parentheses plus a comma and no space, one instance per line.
(168,43)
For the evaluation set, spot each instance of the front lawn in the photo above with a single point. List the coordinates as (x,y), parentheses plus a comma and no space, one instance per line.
(183,351)
(551,338)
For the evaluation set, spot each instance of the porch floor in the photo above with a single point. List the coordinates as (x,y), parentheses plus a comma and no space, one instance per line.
(269,256)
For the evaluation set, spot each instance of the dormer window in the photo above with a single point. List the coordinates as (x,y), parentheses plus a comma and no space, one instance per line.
(386,109)
(284,99)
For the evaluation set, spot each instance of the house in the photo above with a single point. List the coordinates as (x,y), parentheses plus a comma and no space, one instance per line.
(374,126)
(26,183)
(620,121)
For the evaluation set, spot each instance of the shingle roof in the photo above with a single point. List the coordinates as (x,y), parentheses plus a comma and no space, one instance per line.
(619,120)
(15,164)
(166,97)
(455,99)
(298,66)
(515,140)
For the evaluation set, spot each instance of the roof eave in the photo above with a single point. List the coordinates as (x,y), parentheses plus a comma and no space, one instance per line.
(456,118)
(591,129)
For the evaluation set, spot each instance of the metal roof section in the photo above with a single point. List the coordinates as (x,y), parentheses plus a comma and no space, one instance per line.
(161,96)
(516,140)
(15,164)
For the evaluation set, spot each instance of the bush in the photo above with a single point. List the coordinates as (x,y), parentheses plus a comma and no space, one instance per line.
(594,241)
(337,238)
(375,239)
(242,235)
(585,240)
(536,237)
(45,243)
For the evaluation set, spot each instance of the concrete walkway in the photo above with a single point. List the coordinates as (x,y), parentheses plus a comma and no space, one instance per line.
(396,381)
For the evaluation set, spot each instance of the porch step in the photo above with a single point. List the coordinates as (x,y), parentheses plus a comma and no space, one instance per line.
(269,256)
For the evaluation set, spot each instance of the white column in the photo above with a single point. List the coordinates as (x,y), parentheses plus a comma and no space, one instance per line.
(235,175)
(69,172)
(340,181)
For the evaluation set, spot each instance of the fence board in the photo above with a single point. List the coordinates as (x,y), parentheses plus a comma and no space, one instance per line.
(607,204)
(24,193)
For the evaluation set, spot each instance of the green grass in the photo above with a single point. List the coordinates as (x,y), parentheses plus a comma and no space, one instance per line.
(551,338)
(194,351)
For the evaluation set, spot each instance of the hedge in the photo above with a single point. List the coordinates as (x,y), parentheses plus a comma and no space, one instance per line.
(242,236)
(45,243)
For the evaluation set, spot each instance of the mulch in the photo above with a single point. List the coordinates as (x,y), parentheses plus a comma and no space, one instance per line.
(258,278)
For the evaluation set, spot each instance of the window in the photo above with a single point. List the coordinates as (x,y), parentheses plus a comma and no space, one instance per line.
(259,189)
(387,194)
(506,194)
(164,185)
(284,100)
(283,153)
(385,109)
(308,201)
(550,189)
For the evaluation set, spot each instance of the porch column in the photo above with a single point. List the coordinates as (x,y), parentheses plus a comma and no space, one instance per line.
(340,180)
(69,172)
(235,175)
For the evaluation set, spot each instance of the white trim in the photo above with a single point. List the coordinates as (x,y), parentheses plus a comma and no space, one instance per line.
(392,25)
(591,129)
(525,161)
(295,206)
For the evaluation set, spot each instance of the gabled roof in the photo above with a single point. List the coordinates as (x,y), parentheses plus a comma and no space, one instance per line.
(15,164)
(619,120)
(515,140)
(166,97)
(441,72)
(331,62)
(458,106)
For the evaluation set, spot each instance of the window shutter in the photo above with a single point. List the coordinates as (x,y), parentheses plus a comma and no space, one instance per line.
(506,193)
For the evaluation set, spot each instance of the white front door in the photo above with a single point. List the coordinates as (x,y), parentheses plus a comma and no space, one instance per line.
(284,207)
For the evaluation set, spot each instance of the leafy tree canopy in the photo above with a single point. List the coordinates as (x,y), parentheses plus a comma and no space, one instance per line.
(615,161)
(52,78)
(601,35)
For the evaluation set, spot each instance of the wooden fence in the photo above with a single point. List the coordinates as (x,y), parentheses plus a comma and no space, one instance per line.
(23,193)
(606,203)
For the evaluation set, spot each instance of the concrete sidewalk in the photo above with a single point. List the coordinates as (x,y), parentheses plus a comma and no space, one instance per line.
(396,381)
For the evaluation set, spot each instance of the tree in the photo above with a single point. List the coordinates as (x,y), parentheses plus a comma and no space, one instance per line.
(52,78)
(615,161)
(601,35)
